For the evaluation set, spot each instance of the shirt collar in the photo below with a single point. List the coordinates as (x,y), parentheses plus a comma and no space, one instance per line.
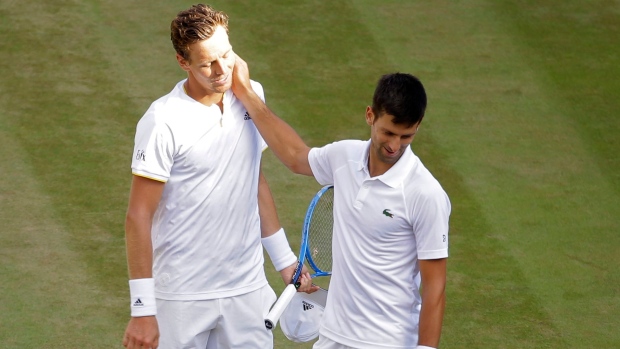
(363,162)
(396,174)
(228,96)
(226,99)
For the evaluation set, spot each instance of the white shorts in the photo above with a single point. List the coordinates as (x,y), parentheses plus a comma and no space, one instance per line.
(326,343)
(225,323)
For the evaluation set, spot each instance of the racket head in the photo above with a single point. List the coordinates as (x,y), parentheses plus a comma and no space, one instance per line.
(318,230)
(318,216)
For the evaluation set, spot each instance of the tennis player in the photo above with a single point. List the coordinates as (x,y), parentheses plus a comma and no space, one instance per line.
(199,207)
(390,242)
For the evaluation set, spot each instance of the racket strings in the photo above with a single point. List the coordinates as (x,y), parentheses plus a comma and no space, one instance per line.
(320,232)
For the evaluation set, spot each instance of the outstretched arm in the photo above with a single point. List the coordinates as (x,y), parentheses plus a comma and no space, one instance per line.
(433,274)
(281,138)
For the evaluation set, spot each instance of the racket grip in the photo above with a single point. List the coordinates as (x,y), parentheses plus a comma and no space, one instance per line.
(276,311)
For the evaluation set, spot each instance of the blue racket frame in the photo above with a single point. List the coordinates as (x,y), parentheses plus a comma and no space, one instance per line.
(304,253)
(306,230)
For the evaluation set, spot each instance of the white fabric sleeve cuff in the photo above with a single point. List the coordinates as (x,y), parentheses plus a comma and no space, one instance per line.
(142,297)
(279,250)
(423,347)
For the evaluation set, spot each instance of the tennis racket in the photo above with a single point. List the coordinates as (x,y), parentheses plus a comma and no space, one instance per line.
(316,249)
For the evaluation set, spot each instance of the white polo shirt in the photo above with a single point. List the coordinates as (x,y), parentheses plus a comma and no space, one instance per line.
(206,230)
(382,227)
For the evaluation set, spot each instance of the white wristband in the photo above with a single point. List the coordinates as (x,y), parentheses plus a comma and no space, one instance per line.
(279,250)
(423,347)
(142,297)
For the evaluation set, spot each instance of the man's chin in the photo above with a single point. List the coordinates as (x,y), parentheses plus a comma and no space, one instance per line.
(391,159)
(222,88)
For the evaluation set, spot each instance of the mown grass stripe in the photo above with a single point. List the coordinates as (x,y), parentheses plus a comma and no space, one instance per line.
(48,297)
(573,45)
(73,283)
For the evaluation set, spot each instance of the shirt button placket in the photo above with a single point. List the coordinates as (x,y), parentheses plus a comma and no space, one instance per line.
(361,195)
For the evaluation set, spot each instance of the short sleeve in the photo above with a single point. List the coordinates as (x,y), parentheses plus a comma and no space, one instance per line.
(319,161)
(153,149)
(258,88)
(431,224)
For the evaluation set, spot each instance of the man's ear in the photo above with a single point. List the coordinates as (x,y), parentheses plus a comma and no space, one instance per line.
(370,116)
(183,63)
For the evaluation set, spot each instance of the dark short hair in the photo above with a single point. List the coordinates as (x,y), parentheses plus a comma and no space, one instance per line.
(195,24)
(402,96)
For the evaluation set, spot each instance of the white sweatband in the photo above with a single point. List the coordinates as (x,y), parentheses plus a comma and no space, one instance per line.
(423,347)
(142,297)
(279,250)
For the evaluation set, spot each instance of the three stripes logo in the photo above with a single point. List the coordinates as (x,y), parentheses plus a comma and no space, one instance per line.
(306,305)
(246,116)
(138,303)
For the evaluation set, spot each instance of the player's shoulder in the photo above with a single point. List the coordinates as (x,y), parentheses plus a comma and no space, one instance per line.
(422,182)
(258,88)
(176,98)
(256,85)
(342,150)
(347,145)
(166,107)
(230,97)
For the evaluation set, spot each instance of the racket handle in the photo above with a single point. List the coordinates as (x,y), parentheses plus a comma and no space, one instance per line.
(274,314)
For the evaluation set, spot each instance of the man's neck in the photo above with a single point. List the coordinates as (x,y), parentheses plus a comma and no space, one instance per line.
(376,167)
(202,96)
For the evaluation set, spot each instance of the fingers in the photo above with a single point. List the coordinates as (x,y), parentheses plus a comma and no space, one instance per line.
(241,67)
(239,60)
(305,281)
(241,78)
(141,333)
(138,344)
(287,273)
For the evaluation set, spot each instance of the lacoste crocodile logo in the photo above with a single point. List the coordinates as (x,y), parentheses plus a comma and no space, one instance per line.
(388,213)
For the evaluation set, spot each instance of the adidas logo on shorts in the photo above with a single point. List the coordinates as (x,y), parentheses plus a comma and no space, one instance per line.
(306,305)
(138,303)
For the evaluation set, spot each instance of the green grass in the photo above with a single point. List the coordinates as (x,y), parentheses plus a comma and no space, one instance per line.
(521,130)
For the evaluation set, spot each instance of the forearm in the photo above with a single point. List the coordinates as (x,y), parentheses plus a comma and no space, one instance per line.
(431,320)
(139,249)
(143,201)
(269,221)
(273,236)
(433,274)
(140,262)
(281,138)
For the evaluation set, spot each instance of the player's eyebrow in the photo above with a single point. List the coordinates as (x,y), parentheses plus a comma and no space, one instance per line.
(209,60)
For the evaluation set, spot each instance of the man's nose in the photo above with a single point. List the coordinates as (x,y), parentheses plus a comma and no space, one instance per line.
(394,143)
(221,67)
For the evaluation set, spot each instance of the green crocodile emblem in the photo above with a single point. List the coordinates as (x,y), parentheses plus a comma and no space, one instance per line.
(388,213)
